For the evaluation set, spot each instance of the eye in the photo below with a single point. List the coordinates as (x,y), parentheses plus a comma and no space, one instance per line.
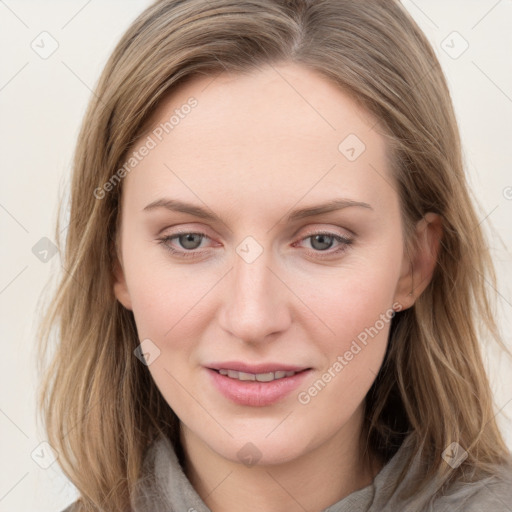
(187,240)
(190,240)
(188,243)
(322,241)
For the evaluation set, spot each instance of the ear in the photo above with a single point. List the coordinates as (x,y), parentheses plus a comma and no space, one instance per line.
(418,267)
(120,287)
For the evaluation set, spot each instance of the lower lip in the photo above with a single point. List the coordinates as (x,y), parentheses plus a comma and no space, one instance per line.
(254,393)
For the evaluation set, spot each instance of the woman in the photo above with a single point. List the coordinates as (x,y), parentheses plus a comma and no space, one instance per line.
(275,275)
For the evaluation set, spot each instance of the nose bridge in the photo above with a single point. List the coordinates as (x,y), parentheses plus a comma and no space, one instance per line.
(256,304)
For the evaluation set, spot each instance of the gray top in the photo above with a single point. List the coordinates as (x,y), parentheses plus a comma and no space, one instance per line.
(165,488)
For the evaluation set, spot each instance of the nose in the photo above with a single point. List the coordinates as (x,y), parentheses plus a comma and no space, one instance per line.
(257,303)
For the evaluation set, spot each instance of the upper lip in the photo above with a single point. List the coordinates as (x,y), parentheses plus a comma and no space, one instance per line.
(239,366)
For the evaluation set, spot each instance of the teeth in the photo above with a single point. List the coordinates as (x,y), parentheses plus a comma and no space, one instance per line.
(260,377)
(246,376)
(265,377)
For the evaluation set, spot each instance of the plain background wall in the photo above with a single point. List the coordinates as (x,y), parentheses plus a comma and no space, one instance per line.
(42,102)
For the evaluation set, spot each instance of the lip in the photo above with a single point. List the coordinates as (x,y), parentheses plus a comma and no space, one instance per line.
(255,393)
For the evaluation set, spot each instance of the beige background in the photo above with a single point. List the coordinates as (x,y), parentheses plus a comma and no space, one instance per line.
(42,101)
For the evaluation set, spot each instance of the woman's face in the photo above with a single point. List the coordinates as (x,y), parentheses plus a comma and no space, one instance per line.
(273,246)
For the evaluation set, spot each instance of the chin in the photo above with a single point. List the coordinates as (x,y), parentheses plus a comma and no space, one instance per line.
(259,450)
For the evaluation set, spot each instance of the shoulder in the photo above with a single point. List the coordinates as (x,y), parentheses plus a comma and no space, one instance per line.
(493,493)
(495,496)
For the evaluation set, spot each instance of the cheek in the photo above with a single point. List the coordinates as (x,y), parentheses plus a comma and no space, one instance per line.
(357,306)
(168,299)
(352,358)
(160,305)
(355,299)
(360,307)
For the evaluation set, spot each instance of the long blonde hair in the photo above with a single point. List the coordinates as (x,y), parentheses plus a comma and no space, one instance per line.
(100,407)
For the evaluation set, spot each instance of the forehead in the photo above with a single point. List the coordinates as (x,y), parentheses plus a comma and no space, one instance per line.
(283,130)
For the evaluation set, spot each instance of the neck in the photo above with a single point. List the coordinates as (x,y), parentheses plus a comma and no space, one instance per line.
(337,468)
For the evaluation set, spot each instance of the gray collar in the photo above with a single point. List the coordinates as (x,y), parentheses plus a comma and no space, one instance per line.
(165,487)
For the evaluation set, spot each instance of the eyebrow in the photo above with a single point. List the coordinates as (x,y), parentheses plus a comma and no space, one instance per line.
(203,213)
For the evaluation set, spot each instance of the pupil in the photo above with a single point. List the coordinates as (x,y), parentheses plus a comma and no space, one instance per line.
(323,244)
(188,242)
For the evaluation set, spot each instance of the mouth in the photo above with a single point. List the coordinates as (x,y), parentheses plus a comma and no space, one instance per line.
(256,385)
(263,372)
(260,377)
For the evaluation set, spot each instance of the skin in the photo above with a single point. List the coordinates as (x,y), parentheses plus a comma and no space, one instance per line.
(254,149)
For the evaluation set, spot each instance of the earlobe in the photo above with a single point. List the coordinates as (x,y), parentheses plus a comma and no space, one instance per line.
(120,287)
(418,267)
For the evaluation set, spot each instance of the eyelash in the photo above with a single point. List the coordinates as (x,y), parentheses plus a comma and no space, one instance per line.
(343,240)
